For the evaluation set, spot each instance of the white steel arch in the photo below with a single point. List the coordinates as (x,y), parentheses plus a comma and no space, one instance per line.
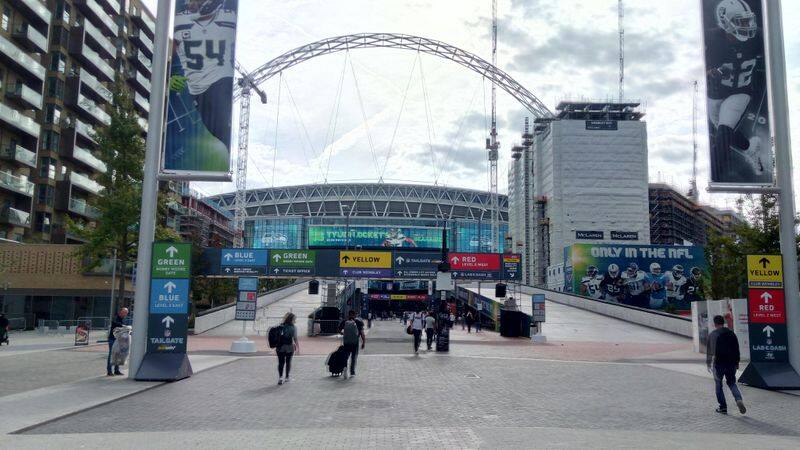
(407,42)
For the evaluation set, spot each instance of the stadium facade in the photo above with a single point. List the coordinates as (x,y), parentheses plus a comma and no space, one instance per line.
(375,215)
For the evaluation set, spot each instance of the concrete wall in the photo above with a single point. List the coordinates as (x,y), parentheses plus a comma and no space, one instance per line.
(214,319)
(652,319)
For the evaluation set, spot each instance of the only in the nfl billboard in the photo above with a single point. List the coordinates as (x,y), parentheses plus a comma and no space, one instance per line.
(322,236)
(198,135)
(736,87)
(667,278)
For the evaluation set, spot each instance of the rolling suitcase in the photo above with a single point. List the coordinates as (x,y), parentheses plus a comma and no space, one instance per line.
(337,361)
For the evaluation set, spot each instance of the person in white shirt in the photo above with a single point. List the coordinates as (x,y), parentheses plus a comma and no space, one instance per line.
(417,324)
(430,329)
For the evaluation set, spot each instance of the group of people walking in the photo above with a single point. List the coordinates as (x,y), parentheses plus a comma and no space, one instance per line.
(422,320)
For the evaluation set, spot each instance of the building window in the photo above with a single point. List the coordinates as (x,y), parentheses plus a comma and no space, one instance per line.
(5,22)
(42,222)
(45,195)
(63,10)
(55,88)
(58,63)
(47,168)
(53,114)
(51,140)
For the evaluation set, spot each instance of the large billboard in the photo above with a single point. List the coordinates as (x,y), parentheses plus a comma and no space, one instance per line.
(374,237)
(659,277)
(736,87)
(198,135)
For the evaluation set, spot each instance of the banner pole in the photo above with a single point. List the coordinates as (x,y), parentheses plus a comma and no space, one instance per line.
(152,158)
(776,73)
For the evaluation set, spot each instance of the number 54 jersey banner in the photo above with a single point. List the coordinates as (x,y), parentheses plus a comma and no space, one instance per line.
(736,86)
(198,136)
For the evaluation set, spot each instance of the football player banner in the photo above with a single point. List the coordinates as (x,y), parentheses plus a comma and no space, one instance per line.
(198,135)
(662,277)
(736,87)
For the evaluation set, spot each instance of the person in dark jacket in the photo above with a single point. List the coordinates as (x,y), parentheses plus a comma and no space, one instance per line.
(118,322)
(722,359)
(4,323)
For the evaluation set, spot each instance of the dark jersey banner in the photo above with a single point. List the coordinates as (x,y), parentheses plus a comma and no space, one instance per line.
(736,86)
(198,135)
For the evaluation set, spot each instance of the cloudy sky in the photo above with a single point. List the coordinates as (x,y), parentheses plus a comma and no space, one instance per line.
(404,116)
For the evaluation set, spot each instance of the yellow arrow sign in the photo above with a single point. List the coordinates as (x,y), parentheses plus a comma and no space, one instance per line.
(765,271)
(365,260)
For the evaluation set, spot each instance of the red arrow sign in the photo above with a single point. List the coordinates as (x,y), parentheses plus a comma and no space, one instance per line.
(474,261)
(767,306)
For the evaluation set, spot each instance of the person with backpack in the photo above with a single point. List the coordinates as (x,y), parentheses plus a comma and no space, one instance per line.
(286,348)
(430,329)
(352,330)
(722,359)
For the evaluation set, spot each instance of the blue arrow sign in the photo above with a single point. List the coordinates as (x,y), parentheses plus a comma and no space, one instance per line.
(169,296)
(243,257)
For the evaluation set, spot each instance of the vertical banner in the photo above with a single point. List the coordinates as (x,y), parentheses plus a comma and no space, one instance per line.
(736,86)
(198,136)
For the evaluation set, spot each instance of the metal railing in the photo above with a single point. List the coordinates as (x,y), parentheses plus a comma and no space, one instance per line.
(16,323)
(67,326)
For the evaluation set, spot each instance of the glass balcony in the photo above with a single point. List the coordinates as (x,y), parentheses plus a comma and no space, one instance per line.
(30,38)
(91,108)
(86,157)
(13,216)
(142,42)
(94,62)
(98,15)
(35,10)
(106,47)
(143,123)
(21,92)
(85,131)
(19,154)
(80,206)
(140,100)
(142,61)
(138,80)
(93,85)
(142,19)
(13,183)
(110,5)
(20,60)
(85,183)
(19,121)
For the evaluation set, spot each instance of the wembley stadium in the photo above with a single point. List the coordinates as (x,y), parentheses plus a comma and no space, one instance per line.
(375,215)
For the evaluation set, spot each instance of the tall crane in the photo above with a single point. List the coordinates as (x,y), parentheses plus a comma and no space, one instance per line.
(492,145)
(621,26)
(246,85)
(694,194)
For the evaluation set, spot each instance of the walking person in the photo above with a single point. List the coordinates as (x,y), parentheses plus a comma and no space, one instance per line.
(722,359)
(417,324)
(478,322)
(117,322)
(430,329)
(369,319)
(287,346)
(4,326)
(470,319)
(352,329)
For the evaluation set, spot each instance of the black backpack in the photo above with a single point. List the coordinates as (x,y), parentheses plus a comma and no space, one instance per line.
(274,336)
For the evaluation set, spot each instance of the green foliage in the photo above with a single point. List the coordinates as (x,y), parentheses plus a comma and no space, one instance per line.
(122,149)
(727,255)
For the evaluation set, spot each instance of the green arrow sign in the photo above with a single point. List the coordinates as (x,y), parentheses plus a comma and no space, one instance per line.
(171,260)
(292,258)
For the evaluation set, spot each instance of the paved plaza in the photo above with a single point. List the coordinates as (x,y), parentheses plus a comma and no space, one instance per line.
(597,383)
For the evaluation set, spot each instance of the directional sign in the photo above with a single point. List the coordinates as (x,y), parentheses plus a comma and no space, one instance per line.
(365,260)
(767,306)
(169,296)
(488,262)
(243,261)
(512,266)
(366,273)
(768,343)
(418,265)
(166,333)
(765,271)
(171,260)
(292,262)
(537,302)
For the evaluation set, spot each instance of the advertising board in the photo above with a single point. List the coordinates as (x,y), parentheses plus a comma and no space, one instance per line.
(374,237)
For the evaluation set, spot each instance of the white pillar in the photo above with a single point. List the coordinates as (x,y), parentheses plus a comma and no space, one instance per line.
(776,72)
(152,159)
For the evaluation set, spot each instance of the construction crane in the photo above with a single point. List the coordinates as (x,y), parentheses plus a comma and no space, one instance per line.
(694,194)
(621,26)
(246,85)
(492,145)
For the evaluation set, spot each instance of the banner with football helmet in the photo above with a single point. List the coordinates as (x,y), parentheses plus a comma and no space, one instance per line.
(736,87)
(198,128)
(663,277)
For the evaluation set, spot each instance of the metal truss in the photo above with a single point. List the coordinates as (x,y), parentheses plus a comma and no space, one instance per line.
(374,200)
(407,42)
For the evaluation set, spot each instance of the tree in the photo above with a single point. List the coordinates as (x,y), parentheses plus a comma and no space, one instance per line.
(122,149)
